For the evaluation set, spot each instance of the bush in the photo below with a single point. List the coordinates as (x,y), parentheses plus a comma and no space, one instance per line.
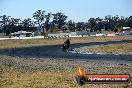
(55,30)
(44,33)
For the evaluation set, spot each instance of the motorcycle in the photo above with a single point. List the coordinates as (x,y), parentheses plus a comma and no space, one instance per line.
(64,47)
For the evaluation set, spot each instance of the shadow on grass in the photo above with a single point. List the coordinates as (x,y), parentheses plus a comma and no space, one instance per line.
(54,51)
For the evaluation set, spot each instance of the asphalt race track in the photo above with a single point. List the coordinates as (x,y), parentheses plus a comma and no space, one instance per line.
(54,51)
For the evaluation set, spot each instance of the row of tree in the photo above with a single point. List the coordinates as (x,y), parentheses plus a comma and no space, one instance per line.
(40,20)
(46,22)
(109,23)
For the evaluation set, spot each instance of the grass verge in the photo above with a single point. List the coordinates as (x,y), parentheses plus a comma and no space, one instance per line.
(38,42)
(14,78)
(111,48)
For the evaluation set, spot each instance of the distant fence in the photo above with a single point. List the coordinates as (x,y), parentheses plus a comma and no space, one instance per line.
(40,37)
(61,35)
